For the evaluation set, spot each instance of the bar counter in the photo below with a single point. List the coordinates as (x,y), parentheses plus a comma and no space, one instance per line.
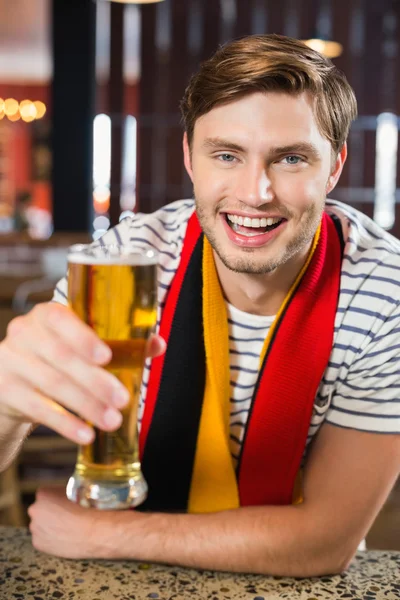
(28,574)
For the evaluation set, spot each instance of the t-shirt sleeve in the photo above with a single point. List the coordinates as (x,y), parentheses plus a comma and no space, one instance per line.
(368,399)
(61,291)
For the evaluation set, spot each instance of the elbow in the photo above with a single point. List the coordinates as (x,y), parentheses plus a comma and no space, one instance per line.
(344,562)
(330,561)
(345,551)
(326,563)
(336,563)
(332,554)
(328,566)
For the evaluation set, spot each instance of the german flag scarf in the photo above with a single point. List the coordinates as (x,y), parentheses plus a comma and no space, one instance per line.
(184,438)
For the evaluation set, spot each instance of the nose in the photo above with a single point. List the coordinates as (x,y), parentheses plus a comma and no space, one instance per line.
(254,187)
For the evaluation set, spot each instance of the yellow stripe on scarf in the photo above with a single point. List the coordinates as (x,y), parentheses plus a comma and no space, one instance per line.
(214,485)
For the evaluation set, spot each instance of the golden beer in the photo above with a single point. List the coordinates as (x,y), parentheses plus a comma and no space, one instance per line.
(113,289)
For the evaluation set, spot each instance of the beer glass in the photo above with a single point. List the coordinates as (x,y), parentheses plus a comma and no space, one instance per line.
(114,290)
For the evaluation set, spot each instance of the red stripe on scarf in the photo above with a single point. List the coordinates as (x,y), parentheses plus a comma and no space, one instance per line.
(278,425)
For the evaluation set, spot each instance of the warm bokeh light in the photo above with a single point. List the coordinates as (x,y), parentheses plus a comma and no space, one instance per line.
(11,107)
(101,194)
(40,109)
(14,117)
(27,118)
(27,111)
(24,104)
(325,47)
(101,199)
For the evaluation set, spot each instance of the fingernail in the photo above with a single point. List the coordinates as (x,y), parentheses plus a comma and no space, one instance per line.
(120,396)
(102,354)
(112,418)
(85,435)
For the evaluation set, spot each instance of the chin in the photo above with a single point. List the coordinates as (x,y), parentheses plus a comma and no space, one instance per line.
(248,263)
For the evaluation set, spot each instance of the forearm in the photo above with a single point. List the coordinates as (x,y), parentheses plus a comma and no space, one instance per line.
(12,435)
(271,540)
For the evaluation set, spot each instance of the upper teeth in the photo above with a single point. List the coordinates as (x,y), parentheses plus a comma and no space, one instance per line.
(247,222)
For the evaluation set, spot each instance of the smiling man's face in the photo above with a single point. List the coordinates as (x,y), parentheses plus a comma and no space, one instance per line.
(261,171)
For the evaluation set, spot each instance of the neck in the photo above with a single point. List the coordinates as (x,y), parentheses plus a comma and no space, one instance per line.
(260,294)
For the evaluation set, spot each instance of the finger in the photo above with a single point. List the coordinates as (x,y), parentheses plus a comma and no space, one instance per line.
(51,495)
(31,510)
(57,385)
(55,492)
(63,322)
(67,368)
(33,405)
(156,346)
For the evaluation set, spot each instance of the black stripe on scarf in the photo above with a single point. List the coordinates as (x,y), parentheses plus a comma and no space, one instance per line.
(338,225)
(170,449)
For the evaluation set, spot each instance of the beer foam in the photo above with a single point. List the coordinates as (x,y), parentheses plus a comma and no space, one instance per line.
(111,255)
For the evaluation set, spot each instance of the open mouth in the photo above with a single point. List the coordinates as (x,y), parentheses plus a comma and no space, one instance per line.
(250,227)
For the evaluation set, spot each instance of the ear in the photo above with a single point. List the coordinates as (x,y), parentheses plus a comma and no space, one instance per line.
(186,156)
(337,169)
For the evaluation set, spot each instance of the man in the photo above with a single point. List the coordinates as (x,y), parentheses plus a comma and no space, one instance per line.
(284,336)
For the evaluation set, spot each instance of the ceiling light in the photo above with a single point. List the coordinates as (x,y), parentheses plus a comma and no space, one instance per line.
(327,48)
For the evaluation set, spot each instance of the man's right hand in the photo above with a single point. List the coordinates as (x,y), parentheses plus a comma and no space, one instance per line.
(51,367)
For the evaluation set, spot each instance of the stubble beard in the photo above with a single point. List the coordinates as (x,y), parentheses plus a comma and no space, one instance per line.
(260,266)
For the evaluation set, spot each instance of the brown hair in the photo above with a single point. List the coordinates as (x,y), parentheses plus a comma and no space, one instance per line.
(264,63)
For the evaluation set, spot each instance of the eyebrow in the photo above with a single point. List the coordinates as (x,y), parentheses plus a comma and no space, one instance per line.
(299,147)
(217,142)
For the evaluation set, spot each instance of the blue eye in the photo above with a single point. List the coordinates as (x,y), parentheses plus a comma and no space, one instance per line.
(226,157)
(292,159)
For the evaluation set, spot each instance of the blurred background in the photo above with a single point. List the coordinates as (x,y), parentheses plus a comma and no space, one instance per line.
(90,128)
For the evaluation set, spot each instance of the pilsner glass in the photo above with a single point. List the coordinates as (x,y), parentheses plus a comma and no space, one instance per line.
(114,290)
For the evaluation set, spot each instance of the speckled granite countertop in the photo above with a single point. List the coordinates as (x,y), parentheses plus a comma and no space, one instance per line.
(28,574)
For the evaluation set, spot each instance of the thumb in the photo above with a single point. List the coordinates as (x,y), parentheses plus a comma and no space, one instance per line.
(156,346)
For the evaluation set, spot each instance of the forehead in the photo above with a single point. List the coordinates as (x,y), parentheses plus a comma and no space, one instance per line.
(272,118)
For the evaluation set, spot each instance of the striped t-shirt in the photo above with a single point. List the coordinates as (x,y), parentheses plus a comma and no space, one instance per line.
(361,384)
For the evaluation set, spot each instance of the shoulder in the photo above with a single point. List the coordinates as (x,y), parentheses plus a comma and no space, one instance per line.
(168,216)
(363,238)
(371,260)
(362,378)
(164,229)
(368,314)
